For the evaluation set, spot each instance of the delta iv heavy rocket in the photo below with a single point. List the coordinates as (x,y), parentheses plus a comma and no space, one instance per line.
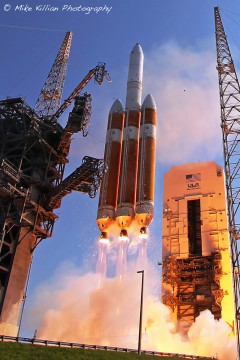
(127,189)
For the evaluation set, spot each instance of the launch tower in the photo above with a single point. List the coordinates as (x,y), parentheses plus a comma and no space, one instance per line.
(33,153)
(229,91)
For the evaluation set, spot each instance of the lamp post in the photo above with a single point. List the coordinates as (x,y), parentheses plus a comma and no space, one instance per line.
(141,311)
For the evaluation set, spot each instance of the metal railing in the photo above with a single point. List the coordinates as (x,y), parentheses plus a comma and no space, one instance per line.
(95,347)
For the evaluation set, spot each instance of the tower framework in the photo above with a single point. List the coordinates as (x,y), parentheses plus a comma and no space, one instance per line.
(230,123)
(34,150)
(28,171)
(49,99)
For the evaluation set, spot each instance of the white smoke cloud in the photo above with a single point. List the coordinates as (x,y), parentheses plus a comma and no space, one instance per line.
(184,84)
(81,307)
(92,310)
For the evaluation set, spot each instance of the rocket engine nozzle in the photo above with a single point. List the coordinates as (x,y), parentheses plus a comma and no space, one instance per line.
(143,233)
(104,238)
(123,235)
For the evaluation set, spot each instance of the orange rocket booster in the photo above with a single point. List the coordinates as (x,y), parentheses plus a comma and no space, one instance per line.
(146,165)
(112,158)
(129,163)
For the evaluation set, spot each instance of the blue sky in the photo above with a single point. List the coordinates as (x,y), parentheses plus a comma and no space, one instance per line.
(177,38)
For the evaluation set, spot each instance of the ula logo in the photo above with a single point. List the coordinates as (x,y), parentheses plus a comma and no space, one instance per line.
(192,186)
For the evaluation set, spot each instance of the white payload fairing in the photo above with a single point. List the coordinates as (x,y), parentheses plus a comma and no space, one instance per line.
(127,189)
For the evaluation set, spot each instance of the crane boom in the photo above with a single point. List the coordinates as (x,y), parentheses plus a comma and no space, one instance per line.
(98,72)
(229,90)
(50,96)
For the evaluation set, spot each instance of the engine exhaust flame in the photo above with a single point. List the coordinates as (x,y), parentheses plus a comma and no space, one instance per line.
(102,257)
(121,268)
(142,252)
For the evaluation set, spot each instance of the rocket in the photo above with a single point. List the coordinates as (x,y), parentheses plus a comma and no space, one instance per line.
(127,188)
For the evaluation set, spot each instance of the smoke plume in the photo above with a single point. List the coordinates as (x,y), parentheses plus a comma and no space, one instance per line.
(92,309)
(105,311)
(184,84)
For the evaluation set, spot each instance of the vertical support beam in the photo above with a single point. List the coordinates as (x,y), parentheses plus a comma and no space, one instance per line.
(14,289)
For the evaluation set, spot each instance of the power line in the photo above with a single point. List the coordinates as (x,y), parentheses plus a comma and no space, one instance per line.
(30,71)
(229,30)
(228,11)
(30,28)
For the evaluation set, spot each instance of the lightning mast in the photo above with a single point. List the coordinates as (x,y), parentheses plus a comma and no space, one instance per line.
(50,96)
(230,123)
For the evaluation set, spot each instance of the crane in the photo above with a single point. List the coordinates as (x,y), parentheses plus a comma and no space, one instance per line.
(79,118)
(48,103)
(229,90)
(48,106)
(50,96)
(98,72)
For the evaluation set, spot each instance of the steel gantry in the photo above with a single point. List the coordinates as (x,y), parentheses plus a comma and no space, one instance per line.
(230,123)
(34,150)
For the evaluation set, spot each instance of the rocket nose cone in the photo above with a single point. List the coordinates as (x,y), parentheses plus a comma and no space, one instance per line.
(149,103)
(116,107)
(137,49)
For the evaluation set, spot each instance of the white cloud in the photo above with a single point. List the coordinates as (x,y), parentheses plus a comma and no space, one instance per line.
(184,84)
(93,310)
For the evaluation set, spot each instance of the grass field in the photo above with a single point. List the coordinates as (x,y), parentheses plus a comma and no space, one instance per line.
(16,351)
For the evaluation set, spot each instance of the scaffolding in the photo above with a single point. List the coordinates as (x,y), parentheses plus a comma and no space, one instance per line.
(86,179)
(32,185)
(194,286)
